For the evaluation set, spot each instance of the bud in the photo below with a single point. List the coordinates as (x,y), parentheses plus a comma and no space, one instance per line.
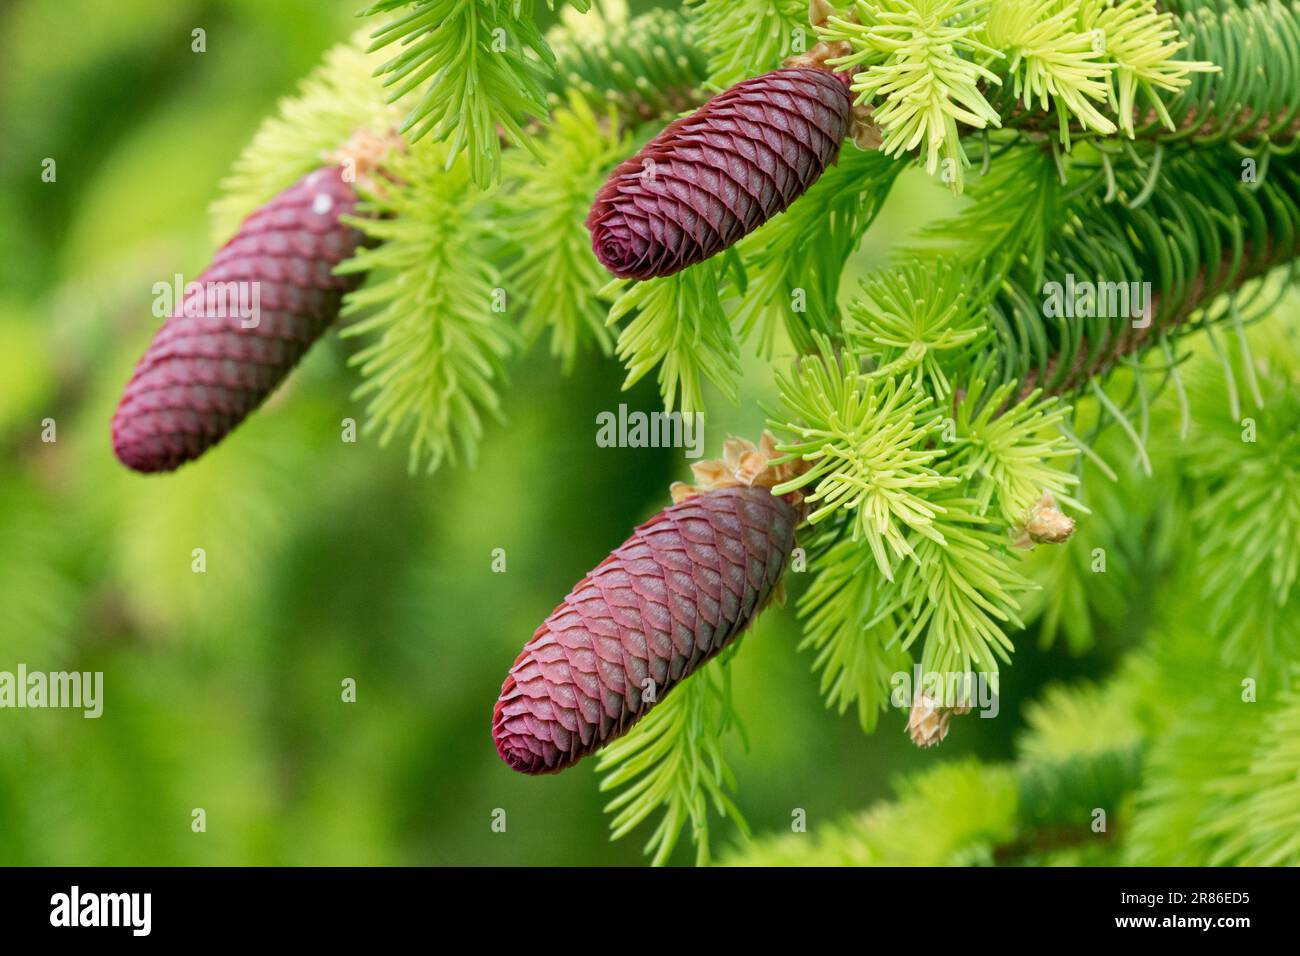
(1044,523)
(927,724)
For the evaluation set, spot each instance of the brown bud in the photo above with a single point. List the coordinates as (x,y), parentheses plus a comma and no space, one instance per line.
(1045,523)
(927,724)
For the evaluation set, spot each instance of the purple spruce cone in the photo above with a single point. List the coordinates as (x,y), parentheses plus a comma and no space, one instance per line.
(673,595)
(243,325)
(713,177)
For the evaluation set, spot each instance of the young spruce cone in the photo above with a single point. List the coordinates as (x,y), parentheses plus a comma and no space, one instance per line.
(243,325)
(673,595)
(714,176)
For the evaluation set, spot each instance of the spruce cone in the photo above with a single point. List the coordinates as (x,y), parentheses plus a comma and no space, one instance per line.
(673,595)
(712,177)
(267,296)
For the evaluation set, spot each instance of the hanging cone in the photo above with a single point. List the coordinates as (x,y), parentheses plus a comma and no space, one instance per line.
(267,296)
(673,595)
(713,177)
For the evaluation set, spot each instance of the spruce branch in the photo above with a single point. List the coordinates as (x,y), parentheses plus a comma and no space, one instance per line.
(1086,719)
(1074,600)
(746,37)
(865,444)
(1260,822)
(1203,245)
(1235,102)
(1251,600)
(955,813)
(647,67)
(1059,800)
(676,323)
(1054,63)
(932,72)
(934,501)
(959,592)
(672,761)
(553,268)
(1017,452)
(1143,43)
(1254,107)
(849,626)
(482,64)
(926,417)
(1084,750)
(918,318)
(792,265)
(1016,208)
(434,308)
(920,66)
(1219,787)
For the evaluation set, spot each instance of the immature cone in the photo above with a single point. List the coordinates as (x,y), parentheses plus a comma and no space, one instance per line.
(244,323)
(928,720)
(712,177)
(677,592)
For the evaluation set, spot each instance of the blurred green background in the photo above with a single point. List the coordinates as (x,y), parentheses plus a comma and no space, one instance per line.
(325,560)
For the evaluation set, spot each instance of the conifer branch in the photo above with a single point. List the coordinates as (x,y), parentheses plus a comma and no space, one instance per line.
(554,270)
(678,325)
(791,267)
(1188,290)
(648,67)
(931,71)
(336,101)
(673,762)
(923,429)
(434,308)
(484,63)
(747,37)
(965,812)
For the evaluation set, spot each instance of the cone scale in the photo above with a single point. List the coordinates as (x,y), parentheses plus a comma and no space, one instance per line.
(713,177)
(268,295)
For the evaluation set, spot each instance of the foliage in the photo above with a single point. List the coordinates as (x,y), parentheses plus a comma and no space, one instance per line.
(852,637)
(678,324)
(482,64)
(433,306)
(929,412)
(748,38)
(791,266)
(931,406)
(865,443)
(674,762)
(917,488)
(920,66)
(338,99)
(954,813)
(928,69)
(917,318)
(1188,744)
(556,272)
(643,67)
